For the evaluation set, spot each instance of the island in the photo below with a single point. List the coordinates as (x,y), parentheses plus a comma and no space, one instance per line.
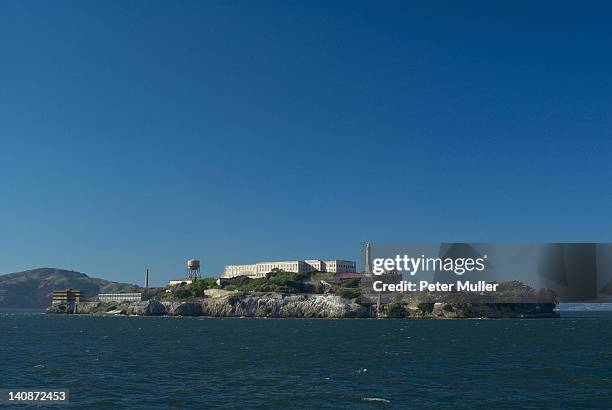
(283,294)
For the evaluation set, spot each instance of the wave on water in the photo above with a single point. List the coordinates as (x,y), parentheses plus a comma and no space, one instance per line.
(376,399)
(346,360)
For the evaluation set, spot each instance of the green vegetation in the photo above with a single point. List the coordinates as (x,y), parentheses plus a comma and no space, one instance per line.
(281,277)
(182,294)
(363,301)
(350,282)
(396,310)
(275,281)
(199,285)
(425,308)
(291,282)
(165,296)
(349,293)
(448,308)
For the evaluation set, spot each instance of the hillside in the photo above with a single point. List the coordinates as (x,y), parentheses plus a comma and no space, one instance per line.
(32,288)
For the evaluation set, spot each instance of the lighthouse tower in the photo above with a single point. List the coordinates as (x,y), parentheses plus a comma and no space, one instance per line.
(368,259)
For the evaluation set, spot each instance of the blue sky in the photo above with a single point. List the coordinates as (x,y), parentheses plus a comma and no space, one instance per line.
(137,134)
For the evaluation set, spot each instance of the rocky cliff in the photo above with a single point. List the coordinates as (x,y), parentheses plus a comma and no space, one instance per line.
(304,306)
(266,305)
(279,305)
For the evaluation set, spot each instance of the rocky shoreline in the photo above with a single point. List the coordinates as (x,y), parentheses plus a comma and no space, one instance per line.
(277,305)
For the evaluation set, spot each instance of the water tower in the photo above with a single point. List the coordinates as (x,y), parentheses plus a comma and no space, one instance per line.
(193,269)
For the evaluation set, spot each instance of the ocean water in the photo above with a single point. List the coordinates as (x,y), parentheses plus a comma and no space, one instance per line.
(170,362)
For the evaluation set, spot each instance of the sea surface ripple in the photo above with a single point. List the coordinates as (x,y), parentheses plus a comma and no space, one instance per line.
(173,362)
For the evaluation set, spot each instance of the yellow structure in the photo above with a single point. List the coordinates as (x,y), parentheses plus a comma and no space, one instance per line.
(66,296)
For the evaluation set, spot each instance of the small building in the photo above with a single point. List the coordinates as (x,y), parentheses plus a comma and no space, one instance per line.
(120,297)
(348,275)
(176,282)
(66,296)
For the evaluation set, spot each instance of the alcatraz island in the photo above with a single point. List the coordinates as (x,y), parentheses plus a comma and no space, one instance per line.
(306,289)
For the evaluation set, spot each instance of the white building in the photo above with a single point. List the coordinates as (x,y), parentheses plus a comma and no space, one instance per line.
(231,271)
(316,265)
(260,269)
(339,266)
(120,297)
(176,282)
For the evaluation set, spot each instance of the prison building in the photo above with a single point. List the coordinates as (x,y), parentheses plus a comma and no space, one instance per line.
(260,269)
(120,297)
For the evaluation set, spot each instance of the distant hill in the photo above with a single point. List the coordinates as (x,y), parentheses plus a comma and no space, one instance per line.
(32,288)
